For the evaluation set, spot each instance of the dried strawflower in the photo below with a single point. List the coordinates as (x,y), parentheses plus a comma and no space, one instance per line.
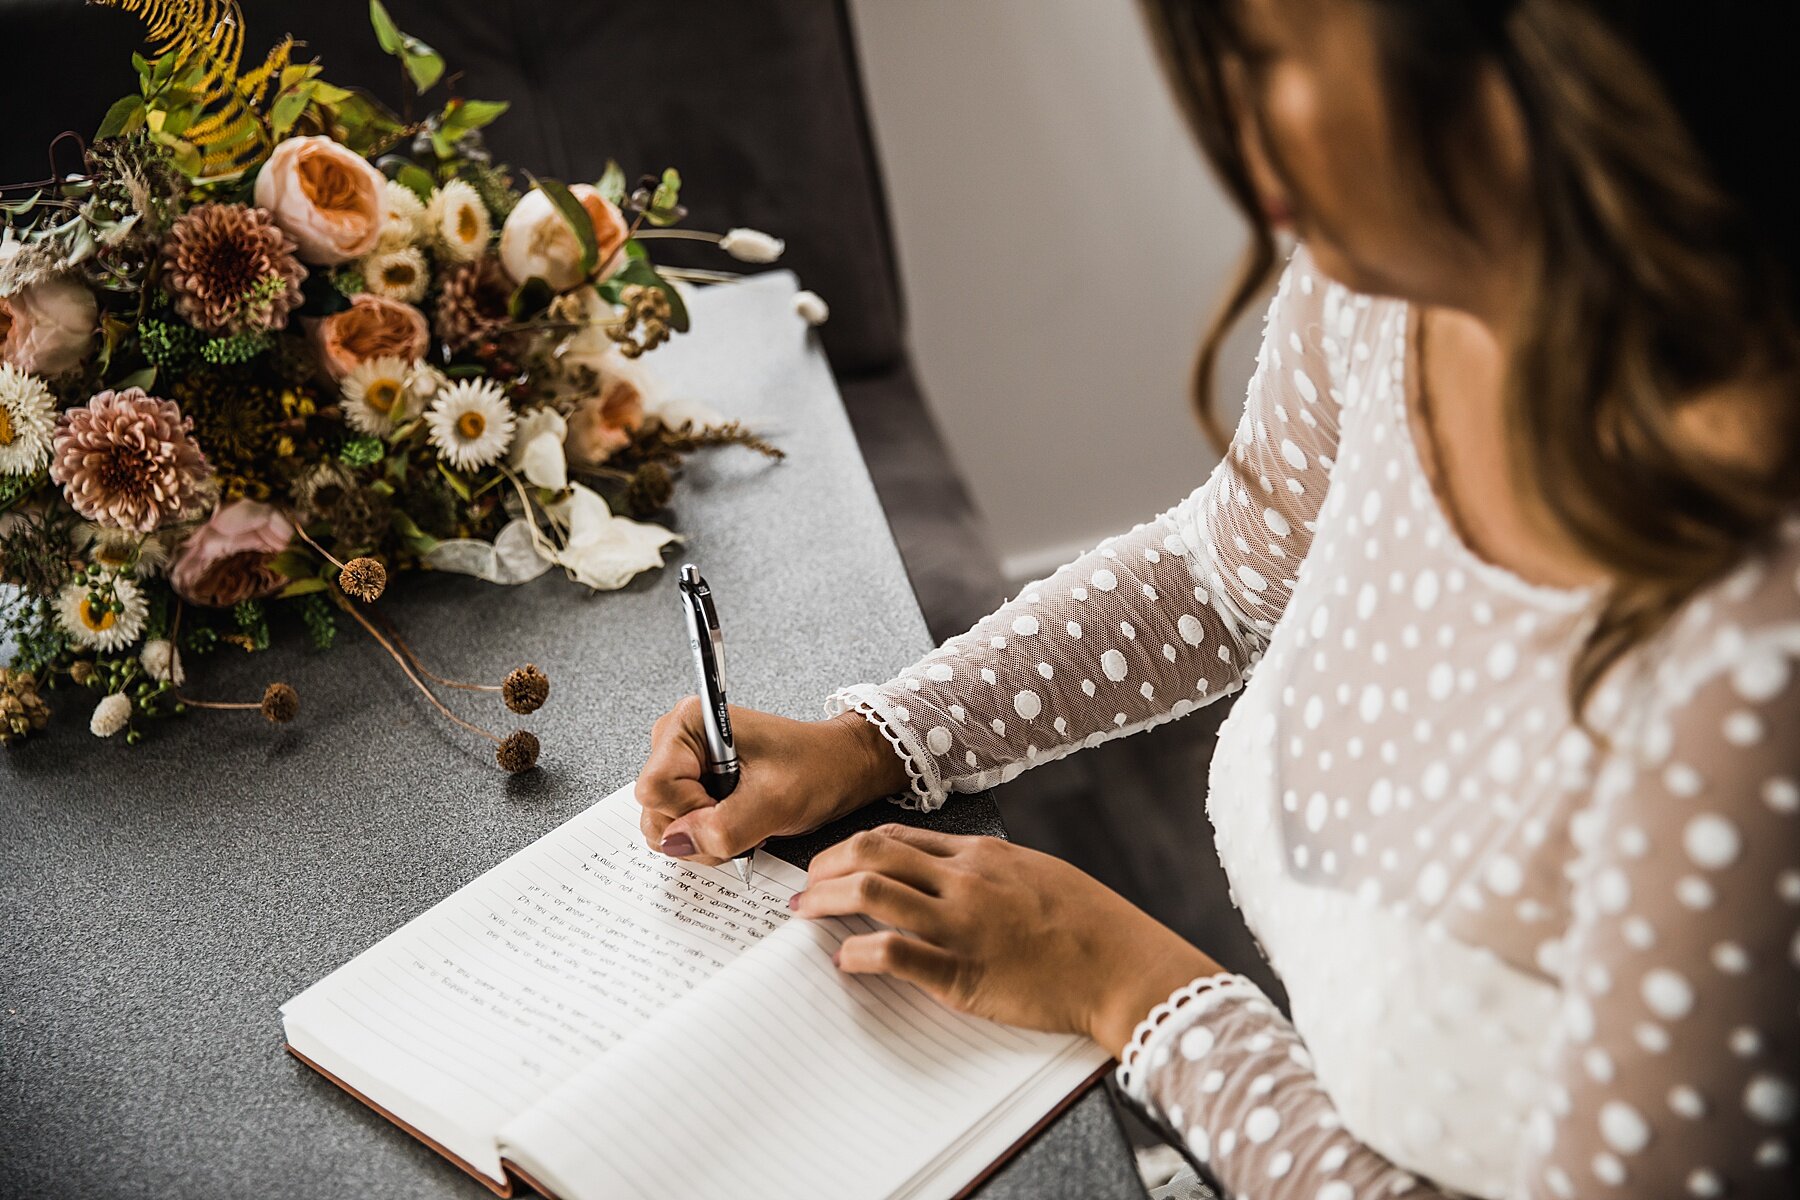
(107,615)
(471,423)
(110,715)
(397,274)
(22,710)
(525,689)
(472,304)
(27,421)
(231,270)
(404,222)
(280,704)
(365,578)
(125,459)
(517,751)
(459,221)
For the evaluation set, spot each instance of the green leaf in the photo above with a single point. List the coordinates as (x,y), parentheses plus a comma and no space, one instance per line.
(455,482)
(612,183)
(417,180)
(289,107)
(386,32)
(294,564)
(425,65)
(145,379)
(126,115)
(477,114)
(19,208)
(530,298)
(576,216)
(302,587)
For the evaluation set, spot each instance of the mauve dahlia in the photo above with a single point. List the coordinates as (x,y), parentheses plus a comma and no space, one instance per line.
(125,459)
(231,269)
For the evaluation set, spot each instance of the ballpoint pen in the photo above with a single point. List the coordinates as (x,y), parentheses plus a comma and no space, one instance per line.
(720,776)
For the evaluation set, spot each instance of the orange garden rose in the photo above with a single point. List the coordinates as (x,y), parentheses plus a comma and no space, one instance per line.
(372,327)
(605,421)
(324,196)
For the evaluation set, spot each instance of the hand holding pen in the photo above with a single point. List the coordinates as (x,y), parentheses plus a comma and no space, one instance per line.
(790,777)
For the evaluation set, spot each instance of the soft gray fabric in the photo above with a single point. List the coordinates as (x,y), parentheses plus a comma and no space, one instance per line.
(161,901)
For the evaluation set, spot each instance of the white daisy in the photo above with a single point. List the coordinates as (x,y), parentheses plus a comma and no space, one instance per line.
(27,419)
(378,394)
(96,626)
(458,220)
(398,274)
(405,220)
(110,715)
(471,423)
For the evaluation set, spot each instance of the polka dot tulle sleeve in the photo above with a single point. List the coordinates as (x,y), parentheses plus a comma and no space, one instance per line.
(1150,624)
(1670,1052)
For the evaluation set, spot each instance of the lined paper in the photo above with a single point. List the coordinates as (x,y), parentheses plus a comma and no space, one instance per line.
(472,1012)
(785,1077)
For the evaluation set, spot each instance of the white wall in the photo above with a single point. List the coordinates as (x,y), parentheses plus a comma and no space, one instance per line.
(1061,246)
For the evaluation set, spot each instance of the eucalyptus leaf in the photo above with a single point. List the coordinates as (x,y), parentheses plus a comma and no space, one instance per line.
(612,183)
(387,34)
(530,298)
(302,587)
(576,216)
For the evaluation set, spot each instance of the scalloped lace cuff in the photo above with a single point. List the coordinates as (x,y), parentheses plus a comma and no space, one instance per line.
(927,789)
(1148,1048)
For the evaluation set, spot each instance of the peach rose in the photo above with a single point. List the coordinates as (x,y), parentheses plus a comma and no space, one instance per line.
(324,196)
(537,241)
(226,561)
(372,327)
(46,328)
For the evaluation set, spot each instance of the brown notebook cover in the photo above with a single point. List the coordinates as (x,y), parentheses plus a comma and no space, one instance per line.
(508,1190)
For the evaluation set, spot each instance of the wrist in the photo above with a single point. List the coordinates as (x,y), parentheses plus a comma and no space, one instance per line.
(1152,978)
(875,770)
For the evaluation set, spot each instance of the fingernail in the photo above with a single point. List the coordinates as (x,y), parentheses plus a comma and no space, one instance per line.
(834,957)
(677,845)
(794,900)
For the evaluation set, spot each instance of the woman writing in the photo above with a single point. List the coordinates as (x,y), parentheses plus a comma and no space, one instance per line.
(1504,558)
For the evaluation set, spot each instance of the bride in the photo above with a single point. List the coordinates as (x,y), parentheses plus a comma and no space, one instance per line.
(1504,560)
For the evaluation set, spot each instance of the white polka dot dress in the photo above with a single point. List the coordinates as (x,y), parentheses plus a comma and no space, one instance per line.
(1522,961)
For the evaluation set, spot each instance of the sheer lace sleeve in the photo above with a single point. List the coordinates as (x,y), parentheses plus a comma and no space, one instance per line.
(1149,624)
(1674,1064)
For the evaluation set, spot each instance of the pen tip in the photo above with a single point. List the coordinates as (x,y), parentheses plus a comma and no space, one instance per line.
(743,868)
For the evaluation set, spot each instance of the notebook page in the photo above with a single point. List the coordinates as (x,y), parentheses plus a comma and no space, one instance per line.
(786,1078)
(472,1011)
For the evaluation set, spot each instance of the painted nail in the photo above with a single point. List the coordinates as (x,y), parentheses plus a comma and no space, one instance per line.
(794,900)
(677,845)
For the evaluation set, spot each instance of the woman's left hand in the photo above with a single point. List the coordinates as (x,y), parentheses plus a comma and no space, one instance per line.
(999,931)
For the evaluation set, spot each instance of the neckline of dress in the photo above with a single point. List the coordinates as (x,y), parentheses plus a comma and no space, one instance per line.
(1501,578)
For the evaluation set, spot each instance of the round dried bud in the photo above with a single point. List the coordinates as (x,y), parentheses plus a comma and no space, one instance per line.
(364,578)
(526,688)
(280,703)
(518,751)
(80,671)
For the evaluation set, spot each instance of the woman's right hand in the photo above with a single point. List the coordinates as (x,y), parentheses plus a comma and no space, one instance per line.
(795,776)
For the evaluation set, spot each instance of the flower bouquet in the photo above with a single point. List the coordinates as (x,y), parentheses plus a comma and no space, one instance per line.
(272,342)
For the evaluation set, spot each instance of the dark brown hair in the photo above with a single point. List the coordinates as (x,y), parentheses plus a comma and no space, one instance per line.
(1663,259)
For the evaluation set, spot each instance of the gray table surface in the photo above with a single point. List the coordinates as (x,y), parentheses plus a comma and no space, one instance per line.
(160,902)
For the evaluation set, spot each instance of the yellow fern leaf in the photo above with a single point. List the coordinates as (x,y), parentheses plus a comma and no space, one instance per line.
(229,131)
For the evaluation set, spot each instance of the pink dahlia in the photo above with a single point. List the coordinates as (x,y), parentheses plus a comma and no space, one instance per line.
(125,459)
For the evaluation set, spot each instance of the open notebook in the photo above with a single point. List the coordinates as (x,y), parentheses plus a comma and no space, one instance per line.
(599,1021)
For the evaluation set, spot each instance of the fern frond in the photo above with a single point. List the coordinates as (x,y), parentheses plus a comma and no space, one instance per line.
(228,130)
